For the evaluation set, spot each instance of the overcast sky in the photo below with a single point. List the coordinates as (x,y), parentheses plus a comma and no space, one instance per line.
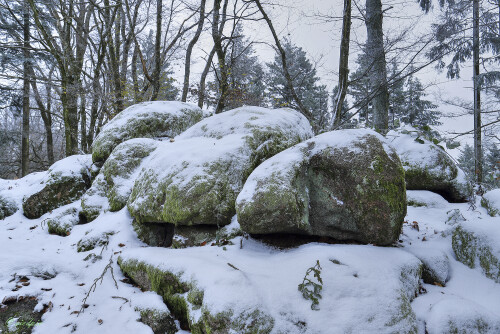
(321,40)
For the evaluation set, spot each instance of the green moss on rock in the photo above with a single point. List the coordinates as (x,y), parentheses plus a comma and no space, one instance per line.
(354,191)
(63,223)
(160,322)
(189,190)
(475,250)
(185,301)
(66,181)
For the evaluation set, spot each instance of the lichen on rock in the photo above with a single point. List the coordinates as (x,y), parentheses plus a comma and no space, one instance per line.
(347,185)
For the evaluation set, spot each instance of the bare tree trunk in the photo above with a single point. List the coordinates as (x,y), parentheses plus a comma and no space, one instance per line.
(378,74)
(25,148)
(221,55)
(343,63)
(478,149)
(83,122)
(135,81)
(157,71)
(288,78)
(189,50)
(201,92)
(45,114)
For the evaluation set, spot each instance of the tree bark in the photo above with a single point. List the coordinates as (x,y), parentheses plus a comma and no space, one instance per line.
(25,149)
(378,74)
(157,51)
(221,55)
(203,78)
(343,63)
(189,50)
(478,148)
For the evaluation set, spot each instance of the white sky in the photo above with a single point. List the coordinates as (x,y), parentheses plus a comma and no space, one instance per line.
(321,41)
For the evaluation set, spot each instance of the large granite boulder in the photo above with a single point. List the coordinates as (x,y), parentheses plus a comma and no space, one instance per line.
(196,178)
(428,167)
(112,187)
(145,120)
(65,182)
(347,184)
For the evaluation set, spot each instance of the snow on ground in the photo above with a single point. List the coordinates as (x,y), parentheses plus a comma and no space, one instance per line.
(26,249)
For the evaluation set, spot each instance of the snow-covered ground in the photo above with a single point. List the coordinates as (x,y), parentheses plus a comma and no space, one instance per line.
(360,284)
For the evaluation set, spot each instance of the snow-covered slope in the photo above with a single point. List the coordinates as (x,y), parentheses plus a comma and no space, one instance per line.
(361,287)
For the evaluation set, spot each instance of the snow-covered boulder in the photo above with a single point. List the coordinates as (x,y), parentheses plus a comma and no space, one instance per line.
(117,178)
(365,289)
(491,202)
(436,265)
(64,182)
(477,244)
(429,167)
(62,223)
(145,120)
(347,185)
(196,178)
(7,207)
(457,315)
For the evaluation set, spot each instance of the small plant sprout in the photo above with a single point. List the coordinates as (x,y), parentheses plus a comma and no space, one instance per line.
(311,286)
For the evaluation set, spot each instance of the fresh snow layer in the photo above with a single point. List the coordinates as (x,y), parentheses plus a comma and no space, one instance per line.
(16,190)
(362,294)
(118,125)
(241,121)
(424,156)
(269,277)
(493,197)
(468,289)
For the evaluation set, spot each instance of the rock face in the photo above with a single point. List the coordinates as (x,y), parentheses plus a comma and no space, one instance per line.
(7,207)
(347,185)
(429,167)
(145,120)
(477,244)
(252,290)
(195,179)
(66,181)
(112,187)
